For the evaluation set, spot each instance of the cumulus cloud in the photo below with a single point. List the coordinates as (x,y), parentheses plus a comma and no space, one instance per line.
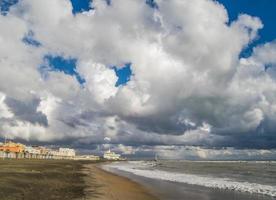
(4,109)
(189,85)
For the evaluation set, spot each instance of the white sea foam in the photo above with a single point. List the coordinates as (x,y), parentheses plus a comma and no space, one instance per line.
(140,169)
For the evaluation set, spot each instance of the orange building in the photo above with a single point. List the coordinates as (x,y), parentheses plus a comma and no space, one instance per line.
(12,147)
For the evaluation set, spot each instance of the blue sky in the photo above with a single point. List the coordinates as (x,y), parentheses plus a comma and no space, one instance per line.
(264,9)
(81,5)
(123,74)
(59,63)
(5,5)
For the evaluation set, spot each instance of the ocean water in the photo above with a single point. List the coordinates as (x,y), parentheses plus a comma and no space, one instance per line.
(255,178)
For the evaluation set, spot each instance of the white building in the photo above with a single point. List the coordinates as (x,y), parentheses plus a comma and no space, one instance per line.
(109,155)
(67,152)
(87,157)
(31,150)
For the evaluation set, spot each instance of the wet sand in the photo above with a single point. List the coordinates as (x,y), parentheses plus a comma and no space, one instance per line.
(103,185)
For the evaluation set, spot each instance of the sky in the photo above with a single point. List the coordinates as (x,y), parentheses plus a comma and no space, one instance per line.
(182,79)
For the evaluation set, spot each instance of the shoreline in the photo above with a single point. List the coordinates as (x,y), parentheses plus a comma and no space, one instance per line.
(87,180)
(104,185)
(169,190)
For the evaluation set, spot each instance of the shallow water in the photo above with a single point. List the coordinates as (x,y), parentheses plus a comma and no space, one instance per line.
(203,180)
(255,172)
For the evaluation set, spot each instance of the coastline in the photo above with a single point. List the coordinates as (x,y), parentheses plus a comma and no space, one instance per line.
(86,180)
(170,190)
(104,185)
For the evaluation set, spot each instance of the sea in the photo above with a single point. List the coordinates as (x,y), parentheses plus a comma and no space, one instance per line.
(202,180)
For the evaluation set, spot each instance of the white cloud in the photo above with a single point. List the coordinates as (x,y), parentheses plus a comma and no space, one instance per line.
(100,81)
(25,130)
(189,85)
(4,110)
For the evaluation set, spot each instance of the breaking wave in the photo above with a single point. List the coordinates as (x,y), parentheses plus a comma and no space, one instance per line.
(206,181)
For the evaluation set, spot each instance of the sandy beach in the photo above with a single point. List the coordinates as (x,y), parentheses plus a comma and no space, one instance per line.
(107,186)
(26,179)
(65,180)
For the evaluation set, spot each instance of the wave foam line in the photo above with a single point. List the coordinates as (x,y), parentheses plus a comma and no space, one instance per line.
(211,182)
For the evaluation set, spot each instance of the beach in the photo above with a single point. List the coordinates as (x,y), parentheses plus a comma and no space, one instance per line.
(108,186)
(26,179)
(41,179)
(65,180)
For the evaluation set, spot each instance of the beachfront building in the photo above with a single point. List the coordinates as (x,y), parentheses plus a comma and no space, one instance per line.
(12,150)
(44,153)
(62,153)
(31,152)
(67,152)
(17,150)
(55,154)
(110,155)
(12,147)
(87,157)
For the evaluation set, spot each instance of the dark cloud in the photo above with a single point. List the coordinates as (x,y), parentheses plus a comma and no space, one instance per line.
(27,111)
